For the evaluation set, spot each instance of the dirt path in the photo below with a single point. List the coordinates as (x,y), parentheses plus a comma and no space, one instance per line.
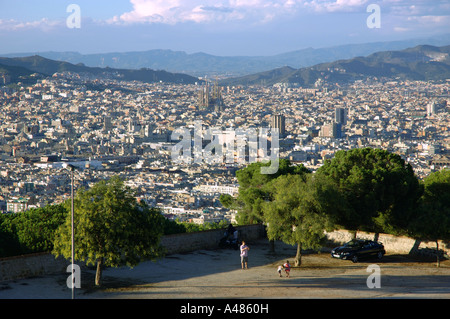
(210,274)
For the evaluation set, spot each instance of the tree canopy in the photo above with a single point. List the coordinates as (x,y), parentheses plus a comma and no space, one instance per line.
(432,220)
(301,209)
(380,188)
(30,231)
(254,189)
(111,228)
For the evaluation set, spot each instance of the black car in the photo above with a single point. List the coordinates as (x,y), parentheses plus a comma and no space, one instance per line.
(357,249)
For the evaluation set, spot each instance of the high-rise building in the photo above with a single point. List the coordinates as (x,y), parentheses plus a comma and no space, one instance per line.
(107,125)
(431,108)
(340,115)
(278,122)
(333,130)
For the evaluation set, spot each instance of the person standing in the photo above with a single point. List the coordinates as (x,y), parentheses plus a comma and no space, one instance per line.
(279,270)
(244,255)
(287,268)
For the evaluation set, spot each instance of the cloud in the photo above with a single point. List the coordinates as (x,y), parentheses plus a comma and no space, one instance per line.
(43,24)
(418,16)
(431,20)
(401,29)
(337,5)
(200,11)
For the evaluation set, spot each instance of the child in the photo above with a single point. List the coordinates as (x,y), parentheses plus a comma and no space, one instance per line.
(279,270)
(287,268)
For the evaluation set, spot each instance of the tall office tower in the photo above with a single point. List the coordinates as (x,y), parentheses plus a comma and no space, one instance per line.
(431,108)
(107,126)
(278,122)
(340,115)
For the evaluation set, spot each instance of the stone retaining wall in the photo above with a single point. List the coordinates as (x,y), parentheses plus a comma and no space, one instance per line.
(392,244)
(41,264)
(45,264)
(31,265)
(180,243)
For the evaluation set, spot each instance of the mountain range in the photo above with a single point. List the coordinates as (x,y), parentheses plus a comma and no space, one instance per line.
(22,67)
(423,62)
(202,64)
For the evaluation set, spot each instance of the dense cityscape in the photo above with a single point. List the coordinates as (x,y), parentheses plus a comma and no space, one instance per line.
(108,127)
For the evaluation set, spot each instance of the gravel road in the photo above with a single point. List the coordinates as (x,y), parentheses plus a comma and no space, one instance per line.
(210,274)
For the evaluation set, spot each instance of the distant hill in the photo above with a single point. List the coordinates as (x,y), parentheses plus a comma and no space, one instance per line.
(201,64)
(16,73)
(44,66)
(423,62)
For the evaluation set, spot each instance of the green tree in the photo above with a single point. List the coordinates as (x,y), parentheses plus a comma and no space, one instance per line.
(111,228)
(254,191)
(228,201)
(301,209)
(173,227)
(30,231)
(9,243)
(380,188)
(432,221)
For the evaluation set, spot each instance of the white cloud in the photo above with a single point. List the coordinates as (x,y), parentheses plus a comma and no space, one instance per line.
(43,24)
(401,29)
(418,15)
(173,11)
(430,20)
(261,11)
(336,5)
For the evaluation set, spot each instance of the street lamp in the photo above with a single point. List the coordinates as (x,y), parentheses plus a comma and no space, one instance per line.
(71,168)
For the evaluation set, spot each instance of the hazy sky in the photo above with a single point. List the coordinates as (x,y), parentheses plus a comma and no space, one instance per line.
(223,27)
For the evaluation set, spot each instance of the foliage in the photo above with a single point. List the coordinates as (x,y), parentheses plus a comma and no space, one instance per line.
(228,201)
(111,227)
(173,227)
(254,191)
(187,227)
(433,215)
(380,188)
(9,242)
(30,231)
(302,208)
(432,219)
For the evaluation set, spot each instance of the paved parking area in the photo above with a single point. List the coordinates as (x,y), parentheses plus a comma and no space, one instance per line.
(210,274)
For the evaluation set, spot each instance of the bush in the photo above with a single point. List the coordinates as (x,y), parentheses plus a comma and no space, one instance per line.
(31,231)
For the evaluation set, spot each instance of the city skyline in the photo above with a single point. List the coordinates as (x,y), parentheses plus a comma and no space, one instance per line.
(226,28)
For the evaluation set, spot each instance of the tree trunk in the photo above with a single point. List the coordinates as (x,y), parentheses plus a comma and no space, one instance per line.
(376,236)
(353,232)
(98,274)
(437,254)
(298,257)
(272,246)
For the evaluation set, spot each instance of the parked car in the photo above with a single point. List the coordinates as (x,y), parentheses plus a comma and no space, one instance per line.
(358,249)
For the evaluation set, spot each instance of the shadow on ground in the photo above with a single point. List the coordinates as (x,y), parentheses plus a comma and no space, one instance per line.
(318,271)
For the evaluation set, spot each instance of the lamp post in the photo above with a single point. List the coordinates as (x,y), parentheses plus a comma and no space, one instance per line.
(71,168)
